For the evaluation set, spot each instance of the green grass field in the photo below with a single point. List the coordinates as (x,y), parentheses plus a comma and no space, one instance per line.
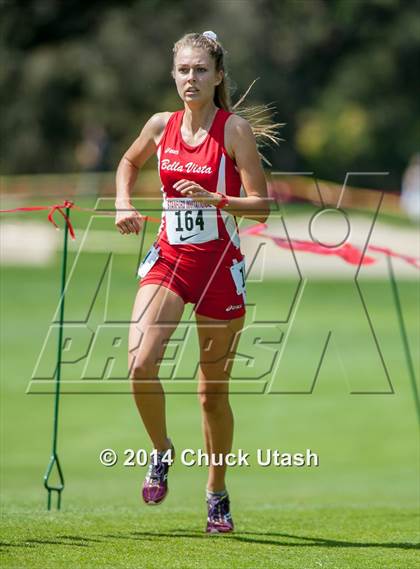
(358,509)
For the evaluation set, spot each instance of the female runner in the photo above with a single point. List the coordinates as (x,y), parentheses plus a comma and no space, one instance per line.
(210,172)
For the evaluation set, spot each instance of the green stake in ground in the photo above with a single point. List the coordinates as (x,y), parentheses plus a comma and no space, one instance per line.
(403,332)
(54,460)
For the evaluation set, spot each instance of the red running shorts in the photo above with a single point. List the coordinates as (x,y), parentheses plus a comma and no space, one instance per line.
(213,281)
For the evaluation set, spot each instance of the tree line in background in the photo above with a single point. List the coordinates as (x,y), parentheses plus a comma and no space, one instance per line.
(79,79)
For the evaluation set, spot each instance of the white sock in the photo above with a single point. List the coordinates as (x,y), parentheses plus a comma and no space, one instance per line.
(221,494)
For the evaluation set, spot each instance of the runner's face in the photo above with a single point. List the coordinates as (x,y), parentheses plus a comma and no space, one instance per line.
(195,75)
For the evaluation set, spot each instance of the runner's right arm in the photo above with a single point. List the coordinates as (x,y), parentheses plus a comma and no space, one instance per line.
(127,219)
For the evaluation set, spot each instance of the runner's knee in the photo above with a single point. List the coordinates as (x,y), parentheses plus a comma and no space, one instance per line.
(213,403)
(145,366)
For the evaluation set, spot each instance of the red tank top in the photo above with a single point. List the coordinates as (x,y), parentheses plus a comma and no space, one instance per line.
(186,225)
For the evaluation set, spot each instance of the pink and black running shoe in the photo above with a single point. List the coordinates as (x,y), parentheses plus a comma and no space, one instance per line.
(155,485)
(219,519)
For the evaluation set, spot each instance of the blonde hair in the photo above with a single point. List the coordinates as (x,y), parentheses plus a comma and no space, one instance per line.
(260,117)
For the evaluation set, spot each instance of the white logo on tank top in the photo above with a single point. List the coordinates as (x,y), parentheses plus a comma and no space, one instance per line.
(190,167)
(171,151)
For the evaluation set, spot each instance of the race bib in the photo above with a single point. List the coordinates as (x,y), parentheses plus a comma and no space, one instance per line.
(188,221)
(150,259)
(237,270)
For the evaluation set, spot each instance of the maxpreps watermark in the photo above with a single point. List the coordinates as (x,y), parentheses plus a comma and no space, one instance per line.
(198,457)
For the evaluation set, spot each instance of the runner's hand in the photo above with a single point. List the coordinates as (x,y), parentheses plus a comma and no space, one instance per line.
(190,189)
(128,219)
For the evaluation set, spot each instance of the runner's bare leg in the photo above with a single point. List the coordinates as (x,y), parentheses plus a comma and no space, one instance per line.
(218,341)
(156,314)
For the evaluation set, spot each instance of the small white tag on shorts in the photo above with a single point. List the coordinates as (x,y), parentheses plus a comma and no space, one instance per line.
(189,221)
(237,271)
(150,259)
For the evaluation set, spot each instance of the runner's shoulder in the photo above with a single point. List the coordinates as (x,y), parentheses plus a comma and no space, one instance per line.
(157,123)
(237,125)
(238,130)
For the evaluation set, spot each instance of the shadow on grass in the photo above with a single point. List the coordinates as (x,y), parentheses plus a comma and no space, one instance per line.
(71,540)
(259,537)
(262,538)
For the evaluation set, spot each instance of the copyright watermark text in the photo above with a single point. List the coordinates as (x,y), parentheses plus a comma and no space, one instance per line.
(198,457)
